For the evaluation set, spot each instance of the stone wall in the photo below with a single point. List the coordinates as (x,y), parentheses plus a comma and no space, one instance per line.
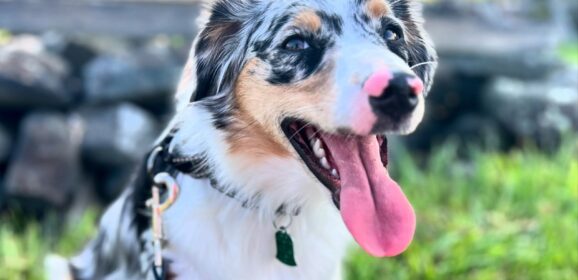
(77,113)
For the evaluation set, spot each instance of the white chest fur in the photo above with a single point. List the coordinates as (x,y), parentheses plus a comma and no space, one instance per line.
(213,237)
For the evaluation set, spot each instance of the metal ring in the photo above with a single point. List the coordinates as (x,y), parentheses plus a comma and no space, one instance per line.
(283,227)
(166,180)
(151,159)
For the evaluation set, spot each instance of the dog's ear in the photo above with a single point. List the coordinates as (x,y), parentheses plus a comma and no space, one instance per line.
(422,56)
(219,51)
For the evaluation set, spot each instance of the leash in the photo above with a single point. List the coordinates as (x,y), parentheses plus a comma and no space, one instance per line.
(162,182)
(165,192)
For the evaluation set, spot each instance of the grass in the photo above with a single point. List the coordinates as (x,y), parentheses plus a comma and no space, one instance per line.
(22,248)
(499,216)
(511,216)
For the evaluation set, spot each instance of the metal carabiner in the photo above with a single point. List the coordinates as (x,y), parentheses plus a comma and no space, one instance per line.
(166,181)
(170,184)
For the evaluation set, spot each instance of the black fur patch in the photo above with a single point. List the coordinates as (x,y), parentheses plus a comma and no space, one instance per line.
(334,23)
(293,66)
(221,108)
(219,57)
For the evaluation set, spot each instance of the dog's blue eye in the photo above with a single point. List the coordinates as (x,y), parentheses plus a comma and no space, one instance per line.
(296,44)
(391,35)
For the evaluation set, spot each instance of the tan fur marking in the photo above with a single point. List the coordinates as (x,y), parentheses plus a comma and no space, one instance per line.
(248,136)
(377,8)
(309,20)
(262,106)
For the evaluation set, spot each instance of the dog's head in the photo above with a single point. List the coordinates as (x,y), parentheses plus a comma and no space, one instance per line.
(322,81)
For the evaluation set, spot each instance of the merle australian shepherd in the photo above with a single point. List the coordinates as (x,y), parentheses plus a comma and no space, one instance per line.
(280,129)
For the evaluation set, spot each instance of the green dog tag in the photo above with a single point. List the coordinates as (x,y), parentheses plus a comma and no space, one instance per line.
(284,248)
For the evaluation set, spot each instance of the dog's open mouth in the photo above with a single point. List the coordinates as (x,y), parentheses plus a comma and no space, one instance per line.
(372,205)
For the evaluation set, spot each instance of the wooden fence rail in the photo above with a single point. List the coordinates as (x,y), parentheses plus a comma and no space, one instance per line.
(132,18)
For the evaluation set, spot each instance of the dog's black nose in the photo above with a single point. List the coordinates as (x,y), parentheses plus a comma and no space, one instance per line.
(399,98)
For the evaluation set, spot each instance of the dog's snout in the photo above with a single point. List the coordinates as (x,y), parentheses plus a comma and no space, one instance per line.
(393,94)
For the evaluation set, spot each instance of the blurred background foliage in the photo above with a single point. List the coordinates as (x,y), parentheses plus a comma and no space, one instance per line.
(492,172)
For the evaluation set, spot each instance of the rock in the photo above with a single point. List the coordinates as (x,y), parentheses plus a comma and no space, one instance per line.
(5,144)
(31,77)
(110,44)
(109,181)
(5,150)
(2,195)
(84,199)
(574,13)
(141,77)
(473,131)
(45,168)
(115,182)
(535,112)
(453,95)
(117,135)
(76,53)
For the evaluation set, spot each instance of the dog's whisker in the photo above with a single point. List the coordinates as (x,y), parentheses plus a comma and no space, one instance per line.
(249,125)
(424,63)
(316,132)
(299,130)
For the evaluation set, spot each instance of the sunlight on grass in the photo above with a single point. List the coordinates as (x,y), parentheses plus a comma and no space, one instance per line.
(22,251)
(511,216)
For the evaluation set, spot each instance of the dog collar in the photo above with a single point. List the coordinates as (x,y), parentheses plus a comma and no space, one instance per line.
(162,166)
(161,160)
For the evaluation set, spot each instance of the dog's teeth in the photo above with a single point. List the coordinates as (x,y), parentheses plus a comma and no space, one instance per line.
(325,163)
(334,173)
(319,152)
(317,144)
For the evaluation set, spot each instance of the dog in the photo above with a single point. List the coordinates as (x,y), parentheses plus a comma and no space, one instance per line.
(278,146)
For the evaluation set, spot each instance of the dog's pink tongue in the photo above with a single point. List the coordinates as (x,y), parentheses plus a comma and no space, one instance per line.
(373,206)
